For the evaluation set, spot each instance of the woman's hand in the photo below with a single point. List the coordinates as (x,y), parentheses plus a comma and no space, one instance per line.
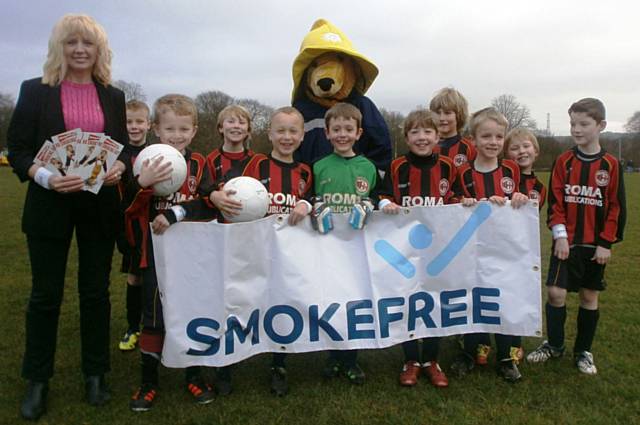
(114,174)
(66,184)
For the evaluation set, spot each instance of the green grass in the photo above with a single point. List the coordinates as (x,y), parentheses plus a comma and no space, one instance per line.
(554,393)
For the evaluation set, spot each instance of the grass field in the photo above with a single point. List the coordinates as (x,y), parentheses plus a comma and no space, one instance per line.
(554,393)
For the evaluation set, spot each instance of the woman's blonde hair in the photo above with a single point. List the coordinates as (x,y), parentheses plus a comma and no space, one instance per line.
(55,68)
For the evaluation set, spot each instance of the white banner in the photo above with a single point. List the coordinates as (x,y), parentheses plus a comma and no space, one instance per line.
(230,291)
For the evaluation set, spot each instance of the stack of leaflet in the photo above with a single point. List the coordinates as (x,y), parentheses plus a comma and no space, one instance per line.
(74,152)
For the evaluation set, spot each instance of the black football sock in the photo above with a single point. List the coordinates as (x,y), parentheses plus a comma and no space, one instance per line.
(410,349)
(587,323)
(191,373)
(516,341)
(556,316)
(277,359)
(149,363)
(503,346)
(224,373)
(430,349)
(484,339)
(134,307)
(349,358)
(471,342)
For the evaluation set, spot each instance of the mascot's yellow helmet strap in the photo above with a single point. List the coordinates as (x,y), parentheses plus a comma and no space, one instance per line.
(325,37)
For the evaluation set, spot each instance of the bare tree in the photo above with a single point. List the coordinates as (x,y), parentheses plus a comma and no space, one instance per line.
(259,112)
(395,121)
(517,114)
(633,123)
(132,91)
(6,110)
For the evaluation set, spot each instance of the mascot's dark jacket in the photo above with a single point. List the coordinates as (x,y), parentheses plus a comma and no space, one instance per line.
(374,144)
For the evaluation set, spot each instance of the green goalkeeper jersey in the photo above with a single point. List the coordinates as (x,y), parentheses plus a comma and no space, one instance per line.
(342,182)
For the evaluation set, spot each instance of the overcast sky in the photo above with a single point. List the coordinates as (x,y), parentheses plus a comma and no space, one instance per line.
(546,53)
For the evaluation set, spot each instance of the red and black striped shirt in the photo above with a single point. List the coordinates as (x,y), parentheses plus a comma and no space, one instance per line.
(503,181)
(459,150)
(586,194)
(146,206)
(223,166)
(286,183)
(531,186)
(413,180)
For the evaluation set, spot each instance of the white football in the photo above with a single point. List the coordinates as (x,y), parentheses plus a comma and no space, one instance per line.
(253,196)
(169,154)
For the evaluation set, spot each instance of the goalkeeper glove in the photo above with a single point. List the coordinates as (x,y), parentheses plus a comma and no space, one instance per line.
(360,212)
(321,218)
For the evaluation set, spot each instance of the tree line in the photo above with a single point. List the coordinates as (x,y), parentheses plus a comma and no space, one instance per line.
(210,103)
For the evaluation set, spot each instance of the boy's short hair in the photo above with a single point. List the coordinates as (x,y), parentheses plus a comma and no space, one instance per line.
(486,114)
(450,99)
(289,110)
(419,118)
(138,105)
(520,133)
(343,110)
(230,110)
(590,106)
(179,104)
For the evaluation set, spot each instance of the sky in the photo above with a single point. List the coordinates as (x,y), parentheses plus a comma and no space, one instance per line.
(546,53)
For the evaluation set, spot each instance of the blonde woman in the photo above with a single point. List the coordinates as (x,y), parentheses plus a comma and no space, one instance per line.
(73,92)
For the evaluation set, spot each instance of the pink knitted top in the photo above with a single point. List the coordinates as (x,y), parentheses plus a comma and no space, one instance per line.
(81,107)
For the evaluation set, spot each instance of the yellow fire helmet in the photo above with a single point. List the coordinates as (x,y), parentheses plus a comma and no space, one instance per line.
(325,37)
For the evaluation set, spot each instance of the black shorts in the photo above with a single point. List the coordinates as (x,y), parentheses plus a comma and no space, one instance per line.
(577,271)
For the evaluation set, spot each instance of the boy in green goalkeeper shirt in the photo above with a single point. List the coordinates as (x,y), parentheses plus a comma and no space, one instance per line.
(343,181)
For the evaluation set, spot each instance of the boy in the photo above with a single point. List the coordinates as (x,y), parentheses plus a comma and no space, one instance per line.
(175,124)
(228,161)
(586,215)
(138,124)
(288,183)
(452,111)
(521,146)
(490,178)
(421,177)
(222,164)
(341,175)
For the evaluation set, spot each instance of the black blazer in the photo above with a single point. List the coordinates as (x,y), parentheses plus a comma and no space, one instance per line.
(37,117)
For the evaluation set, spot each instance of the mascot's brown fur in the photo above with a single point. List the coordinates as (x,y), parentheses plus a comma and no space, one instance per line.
(330,78)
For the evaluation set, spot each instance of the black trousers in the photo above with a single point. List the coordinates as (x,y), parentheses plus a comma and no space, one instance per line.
(48,265)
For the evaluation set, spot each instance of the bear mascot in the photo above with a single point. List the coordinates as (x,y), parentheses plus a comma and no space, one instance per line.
(329,70)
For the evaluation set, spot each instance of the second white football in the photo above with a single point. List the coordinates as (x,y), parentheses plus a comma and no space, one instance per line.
(253,196)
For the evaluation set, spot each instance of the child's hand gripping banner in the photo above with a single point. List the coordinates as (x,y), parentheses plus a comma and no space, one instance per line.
(230,291)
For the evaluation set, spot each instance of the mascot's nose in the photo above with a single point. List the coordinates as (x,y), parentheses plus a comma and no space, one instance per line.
(325,83)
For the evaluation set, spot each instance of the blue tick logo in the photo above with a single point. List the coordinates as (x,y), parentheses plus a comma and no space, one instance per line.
(420,237)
